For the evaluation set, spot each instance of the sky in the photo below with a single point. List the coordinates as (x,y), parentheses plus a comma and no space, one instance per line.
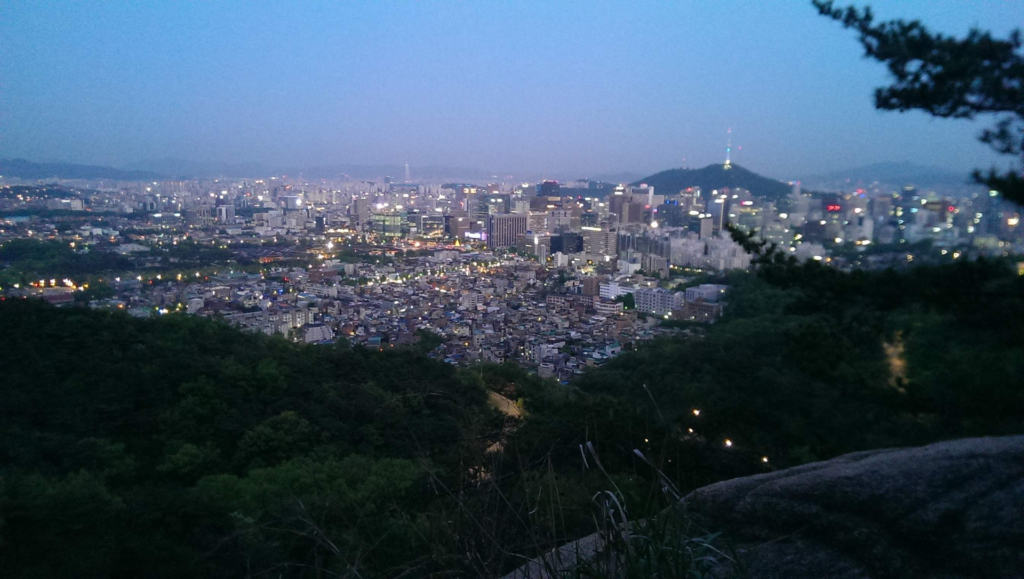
(569,89)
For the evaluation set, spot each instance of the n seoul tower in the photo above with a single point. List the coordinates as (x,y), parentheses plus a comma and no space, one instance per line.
(728,151)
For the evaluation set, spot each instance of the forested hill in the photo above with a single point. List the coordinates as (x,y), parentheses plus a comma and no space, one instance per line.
(671,181)
(178,446)
(135,445)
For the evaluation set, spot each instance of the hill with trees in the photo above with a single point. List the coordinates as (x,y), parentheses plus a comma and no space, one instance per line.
(716,176)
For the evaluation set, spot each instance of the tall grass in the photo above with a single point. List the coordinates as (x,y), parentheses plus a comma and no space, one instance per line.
(667,544)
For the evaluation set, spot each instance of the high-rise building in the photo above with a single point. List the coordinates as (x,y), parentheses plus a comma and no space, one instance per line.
(548,189)
(226,214)
(494,204)
(690,198)
(560,220)
(719,210)
(520,206)
(633,212)
(600,241)
(504,229)
(456,226)
(359,212)
(567,242)
(202,216)
(671,215)
(388,225)
(537,221)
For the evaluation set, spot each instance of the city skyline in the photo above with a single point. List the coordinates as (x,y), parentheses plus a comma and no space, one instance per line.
(566,90)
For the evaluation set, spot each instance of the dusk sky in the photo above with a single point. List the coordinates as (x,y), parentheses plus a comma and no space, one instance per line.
(566,89)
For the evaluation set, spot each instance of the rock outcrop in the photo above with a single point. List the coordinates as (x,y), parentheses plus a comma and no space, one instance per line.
(950,509)
(947,509)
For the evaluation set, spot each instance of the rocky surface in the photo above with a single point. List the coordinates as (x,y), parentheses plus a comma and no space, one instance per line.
(947,509)
(951,509)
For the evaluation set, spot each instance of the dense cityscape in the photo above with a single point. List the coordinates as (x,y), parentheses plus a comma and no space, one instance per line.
(535,273)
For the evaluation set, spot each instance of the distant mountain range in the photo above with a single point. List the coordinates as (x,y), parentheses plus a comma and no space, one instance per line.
(616,178)
(201,170)
(163,169)
(716,177)
(23,169)
(182,169)
(891,175)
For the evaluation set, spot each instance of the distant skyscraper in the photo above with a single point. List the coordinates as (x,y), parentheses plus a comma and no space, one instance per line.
(456,226)
(359,212)
(504,230)
(567,242)
(548,189)
(690,198)
(388,225)
(600,241)
(719,210)
(226,214)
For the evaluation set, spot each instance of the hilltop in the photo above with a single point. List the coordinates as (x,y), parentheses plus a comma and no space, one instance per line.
(716,177)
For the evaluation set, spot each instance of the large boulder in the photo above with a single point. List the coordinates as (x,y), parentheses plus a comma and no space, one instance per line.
(951,509)
(948,509)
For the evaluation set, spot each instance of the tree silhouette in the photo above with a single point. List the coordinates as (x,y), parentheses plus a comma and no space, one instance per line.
(951,78)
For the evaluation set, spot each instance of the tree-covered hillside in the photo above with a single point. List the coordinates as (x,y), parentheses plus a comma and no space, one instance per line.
(672,181)
(811,362)
(182,447)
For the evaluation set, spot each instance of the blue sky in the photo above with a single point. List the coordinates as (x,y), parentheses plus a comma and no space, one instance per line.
(560,88)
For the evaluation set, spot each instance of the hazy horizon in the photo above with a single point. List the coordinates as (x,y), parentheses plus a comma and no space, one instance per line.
(511,89)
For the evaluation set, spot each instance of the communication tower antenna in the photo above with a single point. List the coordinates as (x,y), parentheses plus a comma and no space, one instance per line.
(728,150)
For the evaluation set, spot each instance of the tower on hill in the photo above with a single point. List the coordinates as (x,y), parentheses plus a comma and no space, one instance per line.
(728,151)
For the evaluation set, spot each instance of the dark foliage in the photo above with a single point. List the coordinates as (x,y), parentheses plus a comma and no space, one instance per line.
(183,447)
(716,176)
(28,260)
(949,77)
